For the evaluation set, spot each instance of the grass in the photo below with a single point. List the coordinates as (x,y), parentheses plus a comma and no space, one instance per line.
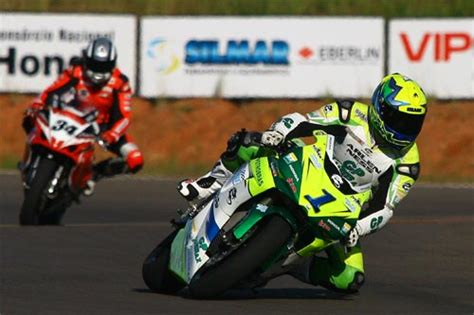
(386,8)
(9,162)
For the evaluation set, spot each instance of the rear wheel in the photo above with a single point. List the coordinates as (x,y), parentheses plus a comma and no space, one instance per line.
(243,262)
(35,199)
(155,270)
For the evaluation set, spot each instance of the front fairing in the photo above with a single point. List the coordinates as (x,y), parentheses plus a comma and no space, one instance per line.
(66,131)
(308,176)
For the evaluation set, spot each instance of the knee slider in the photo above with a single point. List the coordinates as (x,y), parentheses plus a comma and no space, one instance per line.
(349,281)
(357,283)
(135,161)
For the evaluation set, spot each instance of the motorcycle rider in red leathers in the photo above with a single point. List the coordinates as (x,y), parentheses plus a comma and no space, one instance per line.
(94,80)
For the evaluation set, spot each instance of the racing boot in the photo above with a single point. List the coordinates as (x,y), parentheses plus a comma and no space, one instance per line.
(105,168)
(196,191)
(90,188)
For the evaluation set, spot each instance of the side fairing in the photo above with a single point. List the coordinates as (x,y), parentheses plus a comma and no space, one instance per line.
(188,250)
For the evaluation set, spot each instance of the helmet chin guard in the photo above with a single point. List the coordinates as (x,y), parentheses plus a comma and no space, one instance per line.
(100,58)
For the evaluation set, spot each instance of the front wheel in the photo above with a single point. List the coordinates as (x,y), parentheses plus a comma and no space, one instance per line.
(155,270)
(35,199)
(243,262)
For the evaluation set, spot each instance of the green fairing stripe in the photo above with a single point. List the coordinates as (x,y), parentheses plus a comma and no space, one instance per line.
(256,214)
(178,255)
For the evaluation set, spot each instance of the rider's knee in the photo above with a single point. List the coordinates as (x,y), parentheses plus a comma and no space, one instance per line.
(133,156)
(135,161)
(350,281)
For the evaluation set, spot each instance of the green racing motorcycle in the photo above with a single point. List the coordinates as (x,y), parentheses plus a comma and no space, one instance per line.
(272,212)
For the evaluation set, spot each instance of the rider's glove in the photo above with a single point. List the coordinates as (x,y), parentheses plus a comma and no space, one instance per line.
(109,137)
(29,118)
(272,138)
(352,237)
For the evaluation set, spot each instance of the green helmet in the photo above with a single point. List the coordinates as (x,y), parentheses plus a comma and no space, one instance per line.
(398,110)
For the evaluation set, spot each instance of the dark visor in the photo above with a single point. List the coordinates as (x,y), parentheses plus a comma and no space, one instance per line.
(403,123)
(100,66)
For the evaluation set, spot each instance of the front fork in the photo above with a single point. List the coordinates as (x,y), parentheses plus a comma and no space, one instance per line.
(30,168)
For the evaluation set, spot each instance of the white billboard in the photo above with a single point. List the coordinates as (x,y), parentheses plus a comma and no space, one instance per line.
(34,48)
(260,57)
(438,53)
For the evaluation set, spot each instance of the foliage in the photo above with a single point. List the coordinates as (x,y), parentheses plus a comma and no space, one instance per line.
(386,8)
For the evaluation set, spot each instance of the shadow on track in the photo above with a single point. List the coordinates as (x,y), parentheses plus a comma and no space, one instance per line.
(270,293)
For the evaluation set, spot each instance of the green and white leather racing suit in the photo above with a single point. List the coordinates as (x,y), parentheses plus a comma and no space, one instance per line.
(363,161)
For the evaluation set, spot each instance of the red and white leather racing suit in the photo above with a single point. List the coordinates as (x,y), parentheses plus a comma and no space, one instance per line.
(112,100)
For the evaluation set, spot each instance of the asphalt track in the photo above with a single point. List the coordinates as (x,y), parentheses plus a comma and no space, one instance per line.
(422,263)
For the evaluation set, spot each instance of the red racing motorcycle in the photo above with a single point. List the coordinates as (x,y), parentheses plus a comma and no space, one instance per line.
(59,162)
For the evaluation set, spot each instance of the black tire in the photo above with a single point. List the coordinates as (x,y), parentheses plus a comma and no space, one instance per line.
(34,197)
(155,271)
(52,218)
(263,244)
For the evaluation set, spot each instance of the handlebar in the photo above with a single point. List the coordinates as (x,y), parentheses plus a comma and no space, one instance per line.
(253,137)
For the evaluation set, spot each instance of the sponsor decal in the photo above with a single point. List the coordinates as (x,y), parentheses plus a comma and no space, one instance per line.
(290,158)
(362,158)
(350,205)
(232,195)
(313,115)
(237,52)
(322,224)
(68,96)
(339,54)
(292,169)
(216,201)
(346,228)
(349,169)
(361,115)
(163,56)
(258,172)
(328,109)
(318,151)
(274,169)
(198,246)
(406,187)
(239,176)
(330,144)
(375,222)
(292,184)
(221,57)
(314,160)
(261,208)
(334,225)
(445,45)
(337,180)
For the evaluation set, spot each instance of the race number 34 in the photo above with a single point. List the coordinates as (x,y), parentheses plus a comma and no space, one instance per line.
(62,125)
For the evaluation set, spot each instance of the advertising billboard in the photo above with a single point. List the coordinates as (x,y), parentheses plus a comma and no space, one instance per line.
(260,57)
(35,48)
(438,53)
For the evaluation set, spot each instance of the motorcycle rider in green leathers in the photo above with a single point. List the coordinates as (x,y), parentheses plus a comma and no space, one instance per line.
(375,147)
